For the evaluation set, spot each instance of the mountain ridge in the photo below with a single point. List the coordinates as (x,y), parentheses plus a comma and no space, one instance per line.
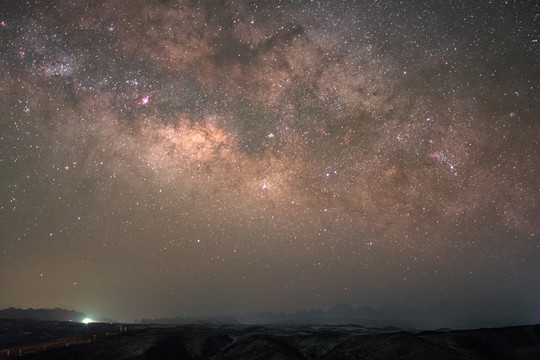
(43,314)
(443,315)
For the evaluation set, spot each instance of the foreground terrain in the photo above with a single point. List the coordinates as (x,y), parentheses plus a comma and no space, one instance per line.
(68,340)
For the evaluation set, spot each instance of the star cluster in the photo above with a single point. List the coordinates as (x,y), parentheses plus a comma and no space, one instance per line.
(173,158)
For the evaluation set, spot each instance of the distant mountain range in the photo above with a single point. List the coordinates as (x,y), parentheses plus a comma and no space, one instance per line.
(442,315)
(56,314)
(438,316)
(42,314)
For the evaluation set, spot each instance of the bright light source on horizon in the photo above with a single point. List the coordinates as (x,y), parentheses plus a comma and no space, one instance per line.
(87,320)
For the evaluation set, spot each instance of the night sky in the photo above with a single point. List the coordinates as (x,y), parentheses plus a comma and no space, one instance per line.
(176,158)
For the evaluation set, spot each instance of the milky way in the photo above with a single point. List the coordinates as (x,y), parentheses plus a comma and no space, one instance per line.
(164,158)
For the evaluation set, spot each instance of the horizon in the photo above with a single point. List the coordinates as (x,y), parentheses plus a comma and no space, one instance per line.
(405,317)
(161,158)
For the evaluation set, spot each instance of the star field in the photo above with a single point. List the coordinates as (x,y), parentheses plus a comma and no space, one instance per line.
(163,158)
